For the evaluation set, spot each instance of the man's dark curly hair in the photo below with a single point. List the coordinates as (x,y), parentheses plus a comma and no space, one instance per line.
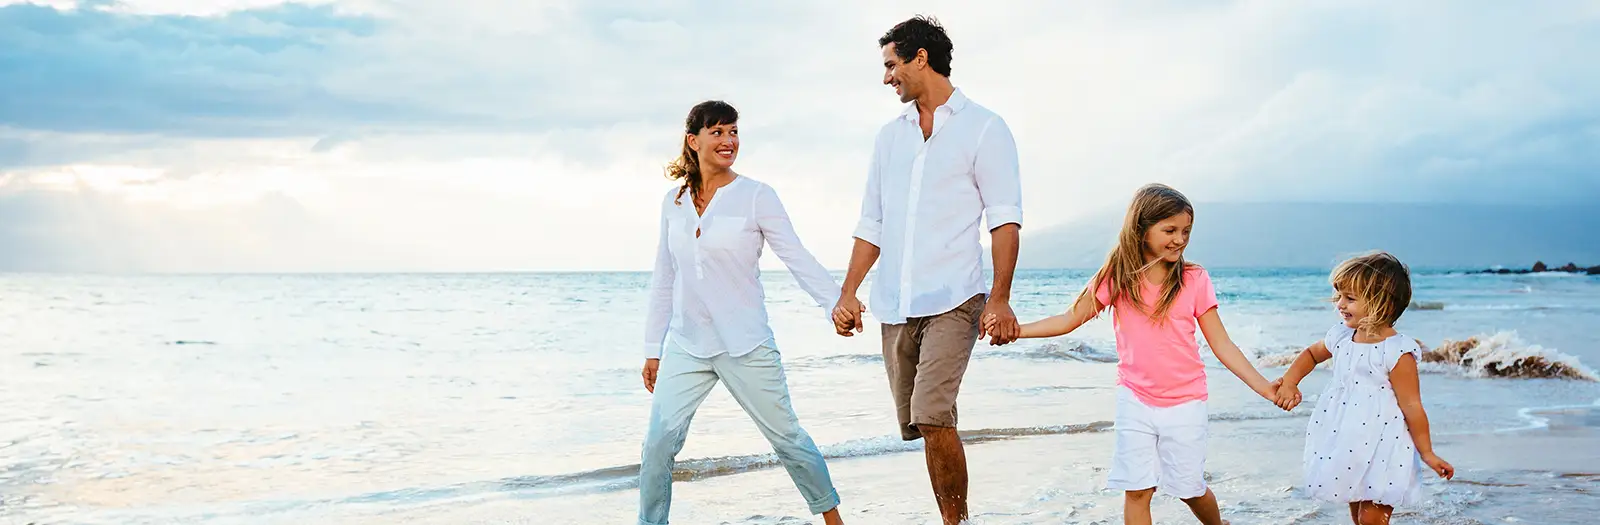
(920,32)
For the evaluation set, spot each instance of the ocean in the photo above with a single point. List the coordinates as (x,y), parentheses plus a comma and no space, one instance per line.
(516,398)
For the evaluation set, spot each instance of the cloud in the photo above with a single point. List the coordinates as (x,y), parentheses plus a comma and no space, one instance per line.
(477,112)
(88,230)
(1412,103)
(254,72)
(329,216)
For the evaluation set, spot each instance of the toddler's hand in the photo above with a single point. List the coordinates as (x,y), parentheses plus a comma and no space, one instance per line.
(1288,395)
(1439,466)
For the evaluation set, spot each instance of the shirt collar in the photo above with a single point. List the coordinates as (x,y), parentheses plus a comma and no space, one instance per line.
(955,104)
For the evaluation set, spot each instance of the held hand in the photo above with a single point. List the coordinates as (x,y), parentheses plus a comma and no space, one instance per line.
(847,316)
(1439,466)
(651,366)
(1267,392)
(1288,395)
(998,323)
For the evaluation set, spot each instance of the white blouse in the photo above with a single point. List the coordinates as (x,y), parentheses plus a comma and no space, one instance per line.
(705,292)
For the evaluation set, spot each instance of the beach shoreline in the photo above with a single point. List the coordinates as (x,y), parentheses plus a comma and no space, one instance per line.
(1058,478)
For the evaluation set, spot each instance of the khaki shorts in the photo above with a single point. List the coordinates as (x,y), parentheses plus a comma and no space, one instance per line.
(926,358)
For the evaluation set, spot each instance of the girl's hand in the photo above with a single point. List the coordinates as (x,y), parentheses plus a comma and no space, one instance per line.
(1439,466)
(1288,395)
(649,373)
(1267,392)
(1000,323)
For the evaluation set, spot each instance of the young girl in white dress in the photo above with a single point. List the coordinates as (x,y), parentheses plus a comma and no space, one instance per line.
(1368,437)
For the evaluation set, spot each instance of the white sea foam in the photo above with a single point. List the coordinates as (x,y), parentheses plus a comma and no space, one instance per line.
(1504,354)
(1499,355)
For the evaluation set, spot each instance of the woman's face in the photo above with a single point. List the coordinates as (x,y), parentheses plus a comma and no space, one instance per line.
(717,145)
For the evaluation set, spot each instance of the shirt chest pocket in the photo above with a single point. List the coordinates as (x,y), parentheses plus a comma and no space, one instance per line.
(677,237)
(946,162)
(724,232)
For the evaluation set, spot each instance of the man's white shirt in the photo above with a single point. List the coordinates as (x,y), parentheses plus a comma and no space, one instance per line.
(924,202)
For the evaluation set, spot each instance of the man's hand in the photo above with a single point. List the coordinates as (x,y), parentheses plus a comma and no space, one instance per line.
(847,315)
(998,323)
(649,373)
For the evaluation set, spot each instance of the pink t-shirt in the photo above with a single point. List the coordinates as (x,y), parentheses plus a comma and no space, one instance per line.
(1161,363)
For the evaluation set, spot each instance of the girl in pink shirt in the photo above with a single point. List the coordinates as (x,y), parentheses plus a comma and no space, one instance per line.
(1158,300)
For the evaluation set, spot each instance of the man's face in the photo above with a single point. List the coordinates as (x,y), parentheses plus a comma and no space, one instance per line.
(900,74)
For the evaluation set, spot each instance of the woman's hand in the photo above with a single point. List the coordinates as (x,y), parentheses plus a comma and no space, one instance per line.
(649,373)
(847,318)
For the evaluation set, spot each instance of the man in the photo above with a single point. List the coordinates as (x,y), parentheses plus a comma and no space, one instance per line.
(938,169)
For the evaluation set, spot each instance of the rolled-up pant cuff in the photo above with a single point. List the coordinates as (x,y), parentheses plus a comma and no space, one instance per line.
(827,503)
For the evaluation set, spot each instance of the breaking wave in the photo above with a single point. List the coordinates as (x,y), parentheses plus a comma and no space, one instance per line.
(1500,355)
(1506,355)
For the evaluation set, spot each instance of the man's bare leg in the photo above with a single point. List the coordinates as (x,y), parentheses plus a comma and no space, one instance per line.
(831,517)
(1136,506)
(947,469)
(1205,508)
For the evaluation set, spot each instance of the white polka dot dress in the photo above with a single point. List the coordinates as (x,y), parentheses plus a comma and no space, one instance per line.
(1357,446)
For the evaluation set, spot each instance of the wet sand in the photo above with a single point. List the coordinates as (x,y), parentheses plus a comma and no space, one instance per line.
(1503,477)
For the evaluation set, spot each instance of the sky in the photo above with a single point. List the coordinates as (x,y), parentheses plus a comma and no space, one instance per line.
(430,135)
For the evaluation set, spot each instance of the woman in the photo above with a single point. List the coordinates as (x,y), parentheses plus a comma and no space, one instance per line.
(707,321)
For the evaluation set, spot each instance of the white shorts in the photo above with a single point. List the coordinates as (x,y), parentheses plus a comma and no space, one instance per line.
(1159,447)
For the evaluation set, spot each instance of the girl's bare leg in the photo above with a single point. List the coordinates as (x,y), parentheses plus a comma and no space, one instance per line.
(1136,506)
(1205,509)
(1369,513)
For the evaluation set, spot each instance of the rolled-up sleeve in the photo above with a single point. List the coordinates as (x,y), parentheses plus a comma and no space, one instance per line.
(870,227)
(999,175)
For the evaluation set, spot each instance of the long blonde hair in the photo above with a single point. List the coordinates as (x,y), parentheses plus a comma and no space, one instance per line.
(1125,265)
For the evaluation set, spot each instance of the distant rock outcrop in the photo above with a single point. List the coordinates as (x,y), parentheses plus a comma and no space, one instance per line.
(1540,267)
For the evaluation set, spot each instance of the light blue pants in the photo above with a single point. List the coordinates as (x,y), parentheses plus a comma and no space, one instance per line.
(757,382)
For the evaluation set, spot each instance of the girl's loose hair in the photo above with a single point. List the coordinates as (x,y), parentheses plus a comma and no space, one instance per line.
(1378,280)
(687,166)
(1125,265)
